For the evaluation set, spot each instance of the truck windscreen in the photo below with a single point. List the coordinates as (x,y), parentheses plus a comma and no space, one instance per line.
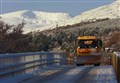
(87,43)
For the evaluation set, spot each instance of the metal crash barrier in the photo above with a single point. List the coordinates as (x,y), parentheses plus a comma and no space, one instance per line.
(21,63)
(116,64)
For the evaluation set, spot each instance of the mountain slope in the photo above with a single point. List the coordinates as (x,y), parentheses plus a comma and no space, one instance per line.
(34,19)
(111,11)
(37,20)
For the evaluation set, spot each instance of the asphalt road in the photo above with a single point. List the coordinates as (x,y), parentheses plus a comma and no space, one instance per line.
(74,74)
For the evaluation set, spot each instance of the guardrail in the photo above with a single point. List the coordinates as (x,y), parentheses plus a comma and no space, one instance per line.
(116,64)
(20,63)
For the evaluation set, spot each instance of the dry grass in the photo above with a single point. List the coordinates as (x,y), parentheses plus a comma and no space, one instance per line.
(106,59)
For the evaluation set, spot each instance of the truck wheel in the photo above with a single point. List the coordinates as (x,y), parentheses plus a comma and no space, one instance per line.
(97,64)
(80,64)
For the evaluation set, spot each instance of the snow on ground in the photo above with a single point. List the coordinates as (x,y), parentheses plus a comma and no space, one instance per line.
(108,11)
(117,53)
(34,19)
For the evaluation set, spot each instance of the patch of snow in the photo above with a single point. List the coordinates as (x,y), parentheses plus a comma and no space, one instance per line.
(117,53)
(29,14)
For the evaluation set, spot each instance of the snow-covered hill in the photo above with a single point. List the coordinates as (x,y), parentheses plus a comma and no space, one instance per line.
(34,19)
(37,20)
(111,11)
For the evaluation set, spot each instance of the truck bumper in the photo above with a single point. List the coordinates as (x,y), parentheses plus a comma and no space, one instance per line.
(92,59)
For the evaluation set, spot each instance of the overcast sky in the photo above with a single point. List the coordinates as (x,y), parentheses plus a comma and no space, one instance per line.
(73,7)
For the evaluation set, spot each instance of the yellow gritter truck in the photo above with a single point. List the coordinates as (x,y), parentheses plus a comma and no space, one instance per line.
(88,50)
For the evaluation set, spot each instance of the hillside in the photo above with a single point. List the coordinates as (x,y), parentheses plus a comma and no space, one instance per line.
(107,29)
(34,19)
(111,11)
(97,27)
(61,38)
(38,20)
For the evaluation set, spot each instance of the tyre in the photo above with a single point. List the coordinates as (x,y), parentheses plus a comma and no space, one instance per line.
(79,64)
(97,64)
